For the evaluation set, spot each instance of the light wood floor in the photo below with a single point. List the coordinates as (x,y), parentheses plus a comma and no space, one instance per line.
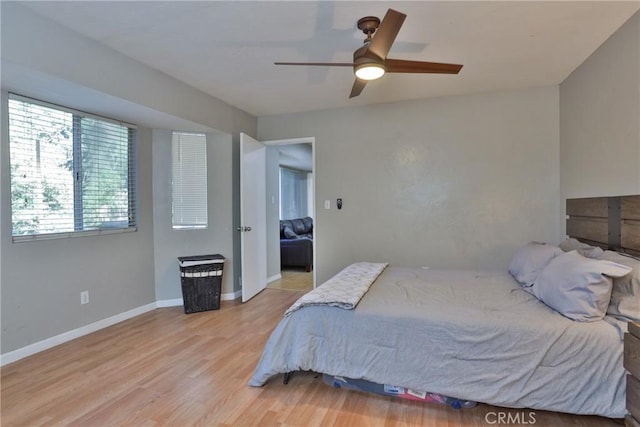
(165,368)
(293,279)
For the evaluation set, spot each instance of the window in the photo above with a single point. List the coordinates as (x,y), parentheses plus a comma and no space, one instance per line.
(294,191)
(189,180)
(71,173)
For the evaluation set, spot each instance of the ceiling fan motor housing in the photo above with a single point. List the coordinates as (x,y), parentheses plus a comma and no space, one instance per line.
(363,58)
(369,25)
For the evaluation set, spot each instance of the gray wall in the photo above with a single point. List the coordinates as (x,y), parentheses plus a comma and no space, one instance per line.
(40,292)
(600,120)
(216,238)
(455,182)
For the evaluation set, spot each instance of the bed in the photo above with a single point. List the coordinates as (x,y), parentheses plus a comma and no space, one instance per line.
(475,335)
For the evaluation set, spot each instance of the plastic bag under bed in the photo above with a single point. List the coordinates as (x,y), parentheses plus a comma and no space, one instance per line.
(401,392)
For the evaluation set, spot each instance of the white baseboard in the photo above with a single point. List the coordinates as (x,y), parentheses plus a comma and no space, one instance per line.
(169,303)
(274,278)
(229,297)
(176,302)
(45,344)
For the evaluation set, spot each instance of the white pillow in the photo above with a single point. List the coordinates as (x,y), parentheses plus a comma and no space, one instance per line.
(625,297)
(578,287)
(528,261)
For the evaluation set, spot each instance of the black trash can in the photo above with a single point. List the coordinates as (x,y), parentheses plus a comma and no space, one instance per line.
(201,280)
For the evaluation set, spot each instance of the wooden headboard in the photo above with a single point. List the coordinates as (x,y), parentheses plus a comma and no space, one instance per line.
(609,222)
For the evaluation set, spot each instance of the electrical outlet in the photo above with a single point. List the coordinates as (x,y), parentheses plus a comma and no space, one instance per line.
(84,297)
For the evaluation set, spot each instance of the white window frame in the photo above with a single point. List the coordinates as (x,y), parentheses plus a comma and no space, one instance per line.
(79,228)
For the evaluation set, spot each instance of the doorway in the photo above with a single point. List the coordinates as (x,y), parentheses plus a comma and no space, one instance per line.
(291,196)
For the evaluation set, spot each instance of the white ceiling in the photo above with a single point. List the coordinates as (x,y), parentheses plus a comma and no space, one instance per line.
(227,48)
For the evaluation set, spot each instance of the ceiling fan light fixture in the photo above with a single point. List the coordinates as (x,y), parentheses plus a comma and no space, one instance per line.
(369,71)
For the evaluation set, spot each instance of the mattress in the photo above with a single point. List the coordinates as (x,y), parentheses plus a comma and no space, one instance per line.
(474,335)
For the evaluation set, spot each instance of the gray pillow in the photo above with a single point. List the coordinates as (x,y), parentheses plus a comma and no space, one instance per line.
(625,296)
(571,244)
(528,261)
(578,287)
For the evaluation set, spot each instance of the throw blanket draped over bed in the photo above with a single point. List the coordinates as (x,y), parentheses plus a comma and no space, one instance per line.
(343,290)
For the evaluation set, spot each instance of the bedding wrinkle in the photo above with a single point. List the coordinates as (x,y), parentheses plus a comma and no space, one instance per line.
(399,290)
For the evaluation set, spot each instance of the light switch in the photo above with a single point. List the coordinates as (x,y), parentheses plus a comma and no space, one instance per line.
(327,204)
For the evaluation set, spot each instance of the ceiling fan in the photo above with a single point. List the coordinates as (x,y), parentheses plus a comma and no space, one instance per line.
(370,61)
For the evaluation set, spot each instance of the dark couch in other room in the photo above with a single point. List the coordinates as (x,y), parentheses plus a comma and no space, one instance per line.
(296,242)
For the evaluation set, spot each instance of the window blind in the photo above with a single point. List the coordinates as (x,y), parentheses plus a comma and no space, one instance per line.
(293,194)
(189,180)
(71,172)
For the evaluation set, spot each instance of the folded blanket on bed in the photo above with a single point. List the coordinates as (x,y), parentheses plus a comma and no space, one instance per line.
(343,290)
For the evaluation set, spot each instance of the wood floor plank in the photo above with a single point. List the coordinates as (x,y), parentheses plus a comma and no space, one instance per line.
(165,368)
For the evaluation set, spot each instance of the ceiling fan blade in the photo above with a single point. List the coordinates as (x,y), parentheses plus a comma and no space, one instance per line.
(321,64)
(358,85)
(386,33)
(402,66)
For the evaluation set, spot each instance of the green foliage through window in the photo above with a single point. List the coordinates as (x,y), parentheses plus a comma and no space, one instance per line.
(70,172)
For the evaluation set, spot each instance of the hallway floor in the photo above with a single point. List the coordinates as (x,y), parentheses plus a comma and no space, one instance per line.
(293,279)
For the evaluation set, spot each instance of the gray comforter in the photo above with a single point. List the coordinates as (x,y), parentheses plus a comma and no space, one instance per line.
(469,334)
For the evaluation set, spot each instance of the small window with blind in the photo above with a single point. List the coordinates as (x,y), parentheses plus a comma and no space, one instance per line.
(189,180)
(72,173)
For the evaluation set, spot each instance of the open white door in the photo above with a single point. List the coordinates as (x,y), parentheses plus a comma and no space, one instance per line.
(253,217)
